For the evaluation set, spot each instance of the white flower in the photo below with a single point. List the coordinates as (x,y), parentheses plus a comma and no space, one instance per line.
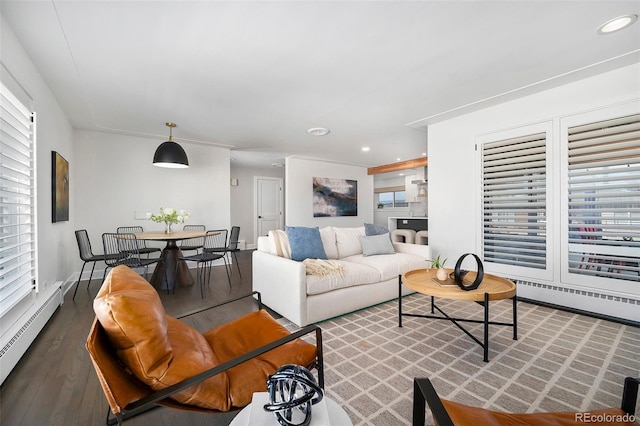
(169,215)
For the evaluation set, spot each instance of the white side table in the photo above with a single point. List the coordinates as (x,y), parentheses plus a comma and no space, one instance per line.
(337,415)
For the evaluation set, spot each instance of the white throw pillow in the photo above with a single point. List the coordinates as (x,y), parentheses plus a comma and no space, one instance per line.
(328,236)
(279,243)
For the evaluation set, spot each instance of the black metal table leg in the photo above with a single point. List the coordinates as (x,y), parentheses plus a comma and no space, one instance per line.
(486,327)
(515,319)
(399,300)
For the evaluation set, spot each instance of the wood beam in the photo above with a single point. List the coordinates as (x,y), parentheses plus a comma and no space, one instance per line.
(400,165)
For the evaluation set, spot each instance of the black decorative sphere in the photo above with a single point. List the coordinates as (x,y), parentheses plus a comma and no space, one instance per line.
(292,391)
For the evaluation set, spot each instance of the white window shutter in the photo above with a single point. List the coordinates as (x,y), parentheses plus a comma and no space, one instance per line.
(514,202)
(17,201)
(604,198)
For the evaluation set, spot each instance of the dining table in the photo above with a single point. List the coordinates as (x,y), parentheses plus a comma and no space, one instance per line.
(177,270)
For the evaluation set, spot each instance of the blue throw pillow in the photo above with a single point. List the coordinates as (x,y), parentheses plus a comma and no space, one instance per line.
(305,243)
(371,229)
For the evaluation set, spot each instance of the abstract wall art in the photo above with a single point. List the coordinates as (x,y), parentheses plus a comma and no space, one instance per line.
(59,188)
(335,197)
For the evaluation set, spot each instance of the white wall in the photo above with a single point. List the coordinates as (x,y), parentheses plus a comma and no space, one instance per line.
(242,199)
(299,174)
(454,175)
(113,177)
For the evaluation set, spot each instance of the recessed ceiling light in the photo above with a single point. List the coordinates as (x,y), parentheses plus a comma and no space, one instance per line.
(318,131)
(365,149)
(424,154)
(616,24)
(397,159)
(277,165)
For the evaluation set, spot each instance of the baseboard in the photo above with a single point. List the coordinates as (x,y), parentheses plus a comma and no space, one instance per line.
(19,343)
(621,308)
(581,312)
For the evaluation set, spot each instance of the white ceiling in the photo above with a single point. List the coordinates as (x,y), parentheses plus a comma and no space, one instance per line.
(254,76)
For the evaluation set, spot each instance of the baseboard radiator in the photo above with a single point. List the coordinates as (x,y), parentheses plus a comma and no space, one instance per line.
(24,337)
(617,304)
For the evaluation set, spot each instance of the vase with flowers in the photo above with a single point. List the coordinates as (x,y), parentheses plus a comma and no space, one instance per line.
(170,217)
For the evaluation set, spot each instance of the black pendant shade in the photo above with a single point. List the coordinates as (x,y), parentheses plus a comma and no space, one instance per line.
(170,154)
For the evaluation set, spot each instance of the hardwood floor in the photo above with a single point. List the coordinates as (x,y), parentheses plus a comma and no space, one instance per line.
(55,383)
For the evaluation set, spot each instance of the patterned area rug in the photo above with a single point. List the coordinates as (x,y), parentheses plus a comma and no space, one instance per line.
(560,362)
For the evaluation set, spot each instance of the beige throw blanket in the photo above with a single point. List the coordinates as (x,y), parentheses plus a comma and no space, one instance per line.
(323,267)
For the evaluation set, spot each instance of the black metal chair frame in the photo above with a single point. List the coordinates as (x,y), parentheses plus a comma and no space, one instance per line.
(230,247)
(142,244)
(129,257)
(86,254)
(193,243)
(233,246)
(423,391)
(206,259)
(152,400)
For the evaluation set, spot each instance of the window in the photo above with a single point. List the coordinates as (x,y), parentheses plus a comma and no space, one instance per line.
(393,196)
(514,212)
(17,201)
(604,198)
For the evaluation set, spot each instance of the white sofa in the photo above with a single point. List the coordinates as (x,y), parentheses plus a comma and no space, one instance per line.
(364,281)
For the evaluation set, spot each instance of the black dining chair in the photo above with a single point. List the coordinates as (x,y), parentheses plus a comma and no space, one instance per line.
(232,248)
(87,255)
(130,256)
(193,243)
(142,245)
(213,239)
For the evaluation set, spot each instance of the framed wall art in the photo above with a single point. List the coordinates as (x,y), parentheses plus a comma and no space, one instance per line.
(335,197)
(59,188)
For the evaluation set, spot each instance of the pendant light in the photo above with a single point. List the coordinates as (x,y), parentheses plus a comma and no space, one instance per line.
(170,154)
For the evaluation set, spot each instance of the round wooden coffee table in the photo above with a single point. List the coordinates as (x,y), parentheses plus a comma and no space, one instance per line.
(490,289)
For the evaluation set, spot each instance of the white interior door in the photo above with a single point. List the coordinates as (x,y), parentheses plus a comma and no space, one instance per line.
(269,205)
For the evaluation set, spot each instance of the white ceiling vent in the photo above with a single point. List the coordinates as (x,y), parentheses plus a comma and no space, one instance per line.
(318,131)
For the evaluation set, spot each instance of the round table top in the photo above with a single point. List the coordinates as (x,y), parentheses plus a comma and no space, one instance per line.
(174,236)
(423,281)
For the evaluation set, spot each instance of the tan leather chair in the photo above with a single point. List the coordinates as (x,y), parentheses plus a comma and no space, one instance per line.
(145,358)
(449,413)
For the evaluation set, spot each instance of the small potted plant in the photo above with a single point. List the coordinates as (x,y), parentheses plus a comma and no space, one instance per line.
(437,263)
